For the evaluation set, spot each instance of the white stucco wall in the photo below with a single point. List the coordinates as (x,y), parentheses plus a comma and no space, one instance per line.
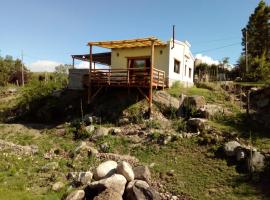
(182,53)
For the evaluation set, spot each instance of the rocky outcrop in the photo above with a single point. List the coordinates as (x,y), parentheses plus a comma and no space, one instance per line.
(114,181)
(247,158)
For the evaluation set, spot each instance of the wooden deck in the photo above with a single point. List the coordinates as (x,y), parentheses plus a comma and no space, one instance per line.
(126,77)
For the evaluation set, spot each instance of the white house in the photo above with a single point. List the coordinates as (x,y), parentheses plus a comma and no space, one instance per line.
(172,59)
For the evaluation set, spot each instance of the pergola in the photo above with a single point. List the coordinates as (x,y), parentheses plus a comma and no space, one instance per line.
(124,44)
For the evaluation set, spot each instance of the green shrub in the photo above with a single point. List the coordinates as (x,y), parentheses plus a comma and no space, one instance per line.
(180,125)
(153,124)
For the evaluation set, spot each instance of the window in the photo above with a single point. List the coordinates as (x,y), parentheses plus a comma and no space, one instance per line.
(176,66)
(189,72)
(139,62)
(185,70)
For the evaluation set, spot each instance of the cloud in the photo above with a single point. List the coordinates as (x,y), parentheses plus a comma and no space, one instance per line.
(43,66)
(206,59)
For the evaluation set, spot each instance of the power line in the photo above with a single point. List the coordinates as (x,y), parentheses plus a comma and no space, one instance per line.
(217,40)
(217,48)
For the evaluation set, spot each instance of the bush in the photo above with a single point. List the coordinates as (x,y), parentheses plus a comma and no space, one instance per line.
(180,125)
(153,124)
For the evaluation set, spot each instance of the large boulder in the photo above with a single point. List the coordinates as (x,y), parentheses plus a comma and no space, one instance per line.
(109,194)
(105,169)
(117,182)
(256,162)
(140,190)
(142,173)
(196,124)
(209,110)
(99,133)
(230,148)
(76,195)
(194,102)
(164,99)
(125,169)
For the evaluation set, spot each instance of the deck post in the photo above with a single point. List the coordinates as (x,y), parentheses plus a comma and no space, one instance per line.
(90,73)
(151,77)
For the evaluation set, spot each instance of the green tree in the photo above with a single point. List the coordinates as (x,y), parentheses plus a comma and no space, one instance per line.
(258,40)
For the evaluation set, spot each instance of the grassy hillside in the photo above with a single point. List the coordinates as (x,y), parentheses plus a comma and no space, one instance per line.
(182,166)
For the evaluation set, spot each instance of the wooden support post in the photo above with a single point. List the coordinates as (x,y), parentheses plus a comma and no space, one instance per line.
(151,77)
(90,76)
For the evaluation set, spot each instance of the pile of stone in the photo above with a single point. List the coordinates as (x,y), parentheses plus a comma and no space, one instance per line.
(112,180)
(246,157)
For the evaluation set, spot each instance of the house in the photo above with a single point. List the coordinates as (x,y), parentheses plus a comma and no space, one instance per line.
(144,63)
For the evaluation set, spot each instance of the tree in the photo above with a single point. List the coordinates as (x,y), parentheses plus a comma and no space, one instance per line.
(10,70)
(258,41)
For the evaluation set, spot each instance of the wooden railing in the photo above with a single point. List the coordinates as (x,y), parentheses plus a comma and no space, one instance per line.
(126,77)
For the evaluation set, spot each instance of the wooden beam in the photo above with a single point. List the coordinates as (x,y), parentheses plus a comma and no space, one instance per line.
(90,74)
(151,77)
(142,93)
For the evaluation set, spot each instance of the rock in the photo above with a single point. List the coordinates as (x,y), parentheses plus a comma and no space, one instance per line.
(123,121)
(166,100)
(57,186)
(105,169)
(50,166)
(76,195)
(194,101)
(88,119)
(229,148)
(142,173)
(209,110)
(196,124)
(140,190)
(90,129)
(99,133)
(104,147)
(240,153)
(115,131)
(257,162)
(116,182)
(125,169)
(109,194)
(84,177)
(85,147)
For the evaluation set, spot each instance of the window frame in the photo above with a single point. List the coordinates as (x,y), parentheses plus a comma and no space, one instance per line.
(179,68)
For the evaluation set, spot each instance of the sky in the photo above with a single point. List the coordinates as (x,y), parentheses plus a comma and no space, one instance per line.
(48,32)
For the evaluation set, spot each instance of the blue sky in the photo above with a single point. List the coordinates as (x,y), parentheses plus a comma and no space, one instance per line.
(50,31)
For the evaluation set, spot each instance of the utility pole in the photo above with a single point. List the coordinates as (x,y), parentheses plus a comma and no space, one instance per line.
(22,70)
(246,52)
